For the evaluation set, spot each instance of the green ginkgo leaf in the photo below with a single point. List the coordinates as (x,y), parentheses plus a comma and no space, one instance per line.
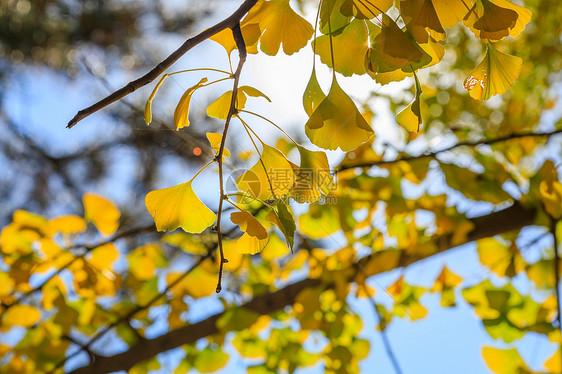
(348,44)
(178,206)
(336,122)
(410,117)
(283,219)
(270,178)
(255,236)
(181,114)
(313,94)
(331,17)
(362,9)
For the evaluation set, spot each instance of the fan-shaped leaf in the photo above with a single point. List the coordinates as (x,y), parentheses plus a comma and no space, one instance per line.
(178,206)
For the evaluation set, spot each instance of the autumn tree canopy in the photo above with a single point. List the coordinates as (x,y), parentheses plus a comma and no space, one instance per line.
(219,234)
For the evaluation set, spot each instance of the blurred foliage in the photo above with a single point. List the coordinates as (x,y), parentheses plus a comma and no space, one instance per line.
(99,281)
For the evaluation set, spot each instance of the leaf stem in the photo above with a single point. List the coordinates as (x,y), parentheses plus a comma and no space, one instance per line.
(273,123)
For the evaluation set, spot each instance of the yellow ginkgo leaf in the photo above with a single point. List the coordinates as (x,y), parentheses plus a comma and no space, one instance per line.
(362,9)
(270,178)
(449,12)
(181,114)
(393,49)
(493,20)
(313,177)
(422,20)
(494,75)
(215,140)
(255,236)
(504,361)
(69,224)
(250,32)
(199,283)
(220,107)
(313,94)
(144,260)
(103,257)
(425,18)
(336,122)
(21,315)
(178,206)
(101,212)
(554,363)
(410,116)
(280,25)
(349,44)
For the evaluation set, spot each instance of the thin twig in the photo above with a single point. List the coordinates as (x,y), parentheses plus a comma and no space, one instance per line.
(435,153)
(239,39)
(384,337)
(231,21)
(557,283)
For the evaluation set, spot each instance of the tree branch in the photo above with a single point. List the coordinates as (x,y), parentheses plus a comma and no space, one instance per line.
(131,87)
(237,35)
(435,153)
(512,218)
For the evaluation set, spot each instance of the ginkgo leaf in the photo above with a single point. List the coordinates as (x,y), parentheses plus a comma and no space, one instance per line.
(349,43)
(313,177)
(493,20)
(148,105)
(445,283)
(220,107)
(504,361)
(336,122)
(210,360)
(410,116)
(68,224)
(103,257)
(494,75)
(331,17)
(554,363)
(250,32)
(500,258)
(270,178)
(215,141)
(144,260)
(101,212)
(181,114)
(449,12)
(427,18)
(178,206)
(255,236)
(365,9)
(21,315)
(280,25)
(393,49)
(284,220)
(313,94)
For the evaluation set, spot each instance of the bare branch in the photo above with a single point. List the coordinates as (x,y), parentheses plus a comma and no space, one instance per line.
(131,87)
(435,153)
(237,34)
